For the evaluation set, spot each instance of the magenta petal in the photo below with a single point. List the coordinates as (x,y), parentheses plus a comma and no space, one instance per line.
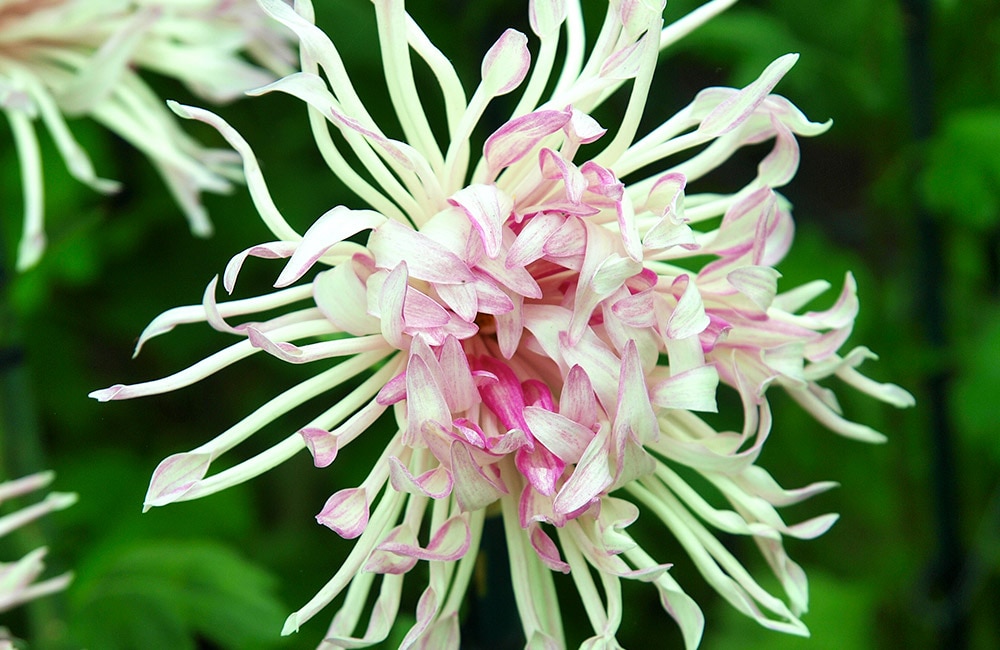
(541,467)
(546,549)
(174,476)
(504,396)
(346,512)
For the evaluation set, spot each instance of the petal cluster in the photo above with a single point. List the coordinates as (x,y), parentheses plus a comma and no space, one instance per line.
(545,322)
(63,59)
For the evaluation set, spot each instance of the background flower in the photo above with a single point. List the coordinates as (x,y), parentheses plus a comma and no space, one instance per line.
(19,580)
(63,59)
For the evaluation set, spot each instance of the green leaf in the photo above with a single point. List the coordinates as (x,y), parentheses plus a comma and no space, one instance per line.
(168,593)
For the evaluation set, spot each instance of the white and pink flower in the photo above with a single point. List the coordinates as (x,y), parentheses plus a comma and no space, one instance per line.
(73,58)
(542,325)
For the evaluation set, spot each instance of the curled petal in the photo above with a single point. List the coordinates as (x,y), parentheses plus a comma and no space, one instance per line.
(737,108)
(332,228)
(322,445)
(346,512)
(516,138)
(434,483)
(449,543)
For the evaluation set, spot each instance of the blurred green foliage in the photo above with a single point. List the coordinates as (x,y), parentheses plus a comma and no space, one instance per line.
(222,572)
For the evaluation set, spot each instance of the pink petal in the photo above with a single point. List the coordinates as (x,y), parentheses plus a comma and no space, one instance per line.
(779,166)
(560,435)
(546,16)
(626,62)
(689,317)
(634,409)
(424,400)
(449,543)
(346,512)
(693,390)
(554,166)
(487,208)
(541,467)
(273,250)
(461,298)
(472,489)
(331,228)
(546,549)
(516,138)
(434,483)
(393,243)
(391,303)
(583,129)
(322,445)
(737,108)
(506,63)
(386,562)
(758,283)
(174,476)
(340,293)
(591,476)
(578,402)
(530,243)
(459,388)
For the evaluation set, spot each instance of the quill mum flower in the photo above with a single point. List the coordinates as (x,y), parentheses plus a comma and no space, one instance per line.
(542,325)
(61,59)
(18,580)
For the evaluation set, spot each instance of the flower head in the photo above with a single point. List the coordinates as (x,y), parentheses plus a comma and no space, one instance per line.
(542,324)
(18,579)
(70,58)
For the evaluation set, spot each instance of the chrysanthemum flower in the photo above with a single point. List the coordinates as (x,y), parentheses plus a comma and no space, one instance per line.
(544,333)
(18,579)
(71,58)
